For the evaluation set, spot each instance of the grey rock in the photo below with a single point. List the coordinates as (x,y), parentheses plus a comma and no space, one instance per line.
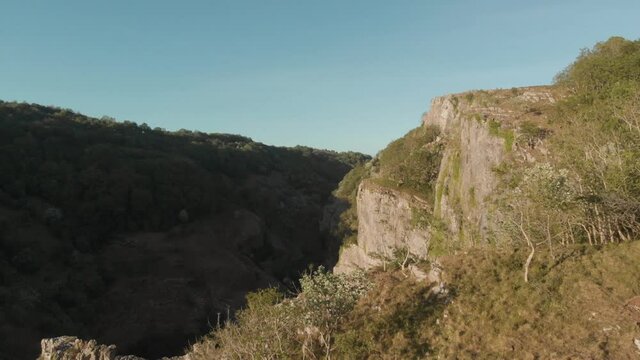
(384,224)
(72,348)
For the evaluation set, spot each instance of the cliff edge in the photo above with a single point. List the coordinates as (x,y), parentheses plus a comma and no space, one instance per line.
(478,134)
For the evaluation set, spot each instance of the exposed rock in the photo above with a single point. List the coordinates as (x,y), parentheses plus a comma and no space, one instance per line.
(443,113)
(465,180)
(384,224)
(418,273)
(72,348)
(466,176)
(479,131)
(633,307)
(385,221)
(634,303)
(354,257)
(537,95)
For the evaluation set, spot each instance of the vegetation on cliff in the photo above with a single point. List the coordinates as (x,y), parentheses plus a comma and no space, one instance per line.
(301,327)
(568,214)
(409,164)
(575,306)
(588,191)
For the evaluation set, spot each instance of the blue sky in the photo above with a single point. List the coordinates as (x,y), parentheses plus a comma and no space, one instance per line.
(336,74)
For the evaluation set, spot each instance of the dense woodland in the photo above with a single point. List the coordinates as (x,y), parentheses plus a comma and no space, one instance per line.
(71,185)
(108,176)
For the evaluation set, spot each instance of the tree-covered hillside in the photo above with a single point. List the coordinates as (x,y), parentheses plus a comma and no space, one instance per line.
(76,191)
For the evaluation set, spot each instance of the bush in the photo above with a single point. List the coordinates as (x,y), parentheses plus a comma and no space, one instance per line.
(531,133)
(597,70)
(327,296)
(604,106)
(265,329)
(272,327)
(412,162)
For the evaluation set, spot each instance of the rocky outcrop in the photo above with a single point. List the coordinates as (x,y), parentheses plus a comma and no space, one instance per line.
(72,348)
(467,176)
(385,222)
(354,257)
(480,133)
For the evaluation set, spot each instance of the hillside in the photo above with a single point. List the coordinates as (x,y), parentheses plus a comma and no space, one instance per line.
(504,226)
(139,236)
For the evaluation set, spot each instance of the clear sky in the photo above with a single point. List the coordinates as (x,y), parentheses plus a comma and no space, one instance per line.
(336,74)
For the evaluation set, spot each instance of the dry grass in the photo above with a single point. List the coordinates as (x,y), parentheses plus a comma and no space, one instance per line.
(573,308)
(576,306)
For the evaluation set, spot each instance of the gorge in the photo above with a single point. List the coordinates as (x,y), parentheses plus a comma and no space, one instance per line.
(503,226)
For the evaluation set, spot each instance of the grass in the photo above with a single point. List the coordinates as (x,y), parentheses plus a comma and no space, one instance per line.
(420,218)
(388,322)
(411,162)
(456,166)
(439,193)
(495,129)
(472,196)
(572,308)
(496,315)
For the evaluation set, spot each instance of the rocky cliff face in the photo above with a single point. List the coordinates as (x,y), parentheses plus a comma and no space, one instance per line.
(480,132)
(384,223)
(467,178)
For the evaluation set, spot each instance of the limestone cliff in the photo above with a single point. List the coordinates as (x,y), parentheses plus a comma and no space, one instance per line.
(479,132)
(484,132)
(466,178)
(384,224)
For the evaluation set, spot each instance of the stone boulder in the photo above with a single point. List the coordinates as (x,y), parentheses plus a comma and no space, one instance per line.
(72,348)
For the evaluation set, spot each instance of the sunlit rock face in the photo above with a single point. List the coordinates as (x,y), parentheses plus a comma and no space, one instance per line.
(479,131)
(384,224)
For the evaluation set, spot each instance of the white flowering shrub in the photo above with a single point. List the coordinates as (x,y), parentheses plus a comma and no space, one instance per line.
(274,327)
(551,186)
(328,296)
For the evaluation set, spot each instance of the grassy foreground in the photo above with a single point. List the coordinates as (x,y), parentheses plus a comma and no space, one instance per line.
(572,308)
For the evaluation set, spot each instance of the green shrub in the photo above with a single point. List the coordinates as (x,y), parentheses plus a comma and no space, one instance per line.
(495,129)
(327,296)
(530,132)
(265,329)
(596,71)
(412,162)
(272,327)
